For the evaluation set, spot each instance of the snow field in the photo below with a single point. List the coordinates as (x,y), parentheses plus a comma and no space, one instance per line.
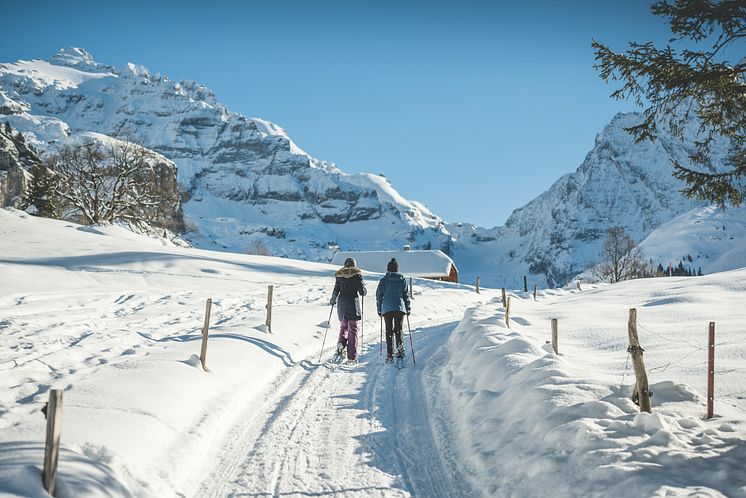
(532,423)
(115,319)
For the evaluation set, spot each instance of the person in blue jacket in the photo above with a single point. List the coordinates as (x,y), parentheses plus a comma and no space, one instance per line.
(348,286)
(392,302)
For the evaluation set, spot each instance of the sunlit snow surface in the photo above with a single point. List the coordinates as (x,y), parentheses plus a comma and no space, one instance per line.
(114,319)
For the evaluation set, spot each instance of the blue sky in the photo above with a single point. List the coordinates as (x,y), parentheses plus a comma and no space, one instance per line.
(473,108)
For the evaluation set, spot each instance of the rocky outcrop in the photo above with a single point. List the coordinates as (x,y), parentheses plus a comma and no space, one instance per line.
(16,159)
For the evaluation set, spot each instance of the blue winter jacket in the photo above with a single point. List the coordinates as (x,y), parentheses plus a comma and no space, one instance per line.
(392,294)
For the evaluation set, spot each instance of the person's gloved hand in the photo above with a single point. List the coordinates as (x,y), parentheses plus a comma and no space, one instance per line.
(332,301)
(379,314)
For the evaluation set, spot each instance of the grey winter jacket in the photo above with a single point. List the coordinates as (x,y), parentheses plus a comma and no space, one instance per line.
(348,285)
(392,294)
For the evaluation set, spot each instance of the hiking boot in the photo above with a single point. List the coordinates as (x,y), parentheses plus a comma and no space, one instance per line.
(389,359)
(340,349)
(400,352)
(352,361)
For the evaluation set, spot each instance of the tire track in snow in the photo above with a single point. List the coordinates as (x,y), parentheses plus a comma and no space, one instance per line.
(334,431)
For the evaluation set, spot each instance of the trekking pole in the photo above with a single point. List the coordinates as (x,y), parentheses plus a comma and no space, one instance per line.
(362,324)
(411,341)
(328,324)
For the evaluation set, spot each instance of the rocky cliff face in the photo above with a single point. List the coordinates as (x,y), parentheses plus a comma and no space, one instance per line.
(620,183)
(244,180)
(248,186)
(33,96)
(16,159)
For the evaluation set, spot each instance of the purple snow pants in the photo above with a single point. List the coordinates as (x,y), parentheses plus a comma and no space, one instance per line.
(348,337)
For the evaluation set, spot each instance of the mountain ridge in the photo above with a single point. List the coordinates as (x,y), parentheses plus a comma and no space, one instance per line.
(247,184)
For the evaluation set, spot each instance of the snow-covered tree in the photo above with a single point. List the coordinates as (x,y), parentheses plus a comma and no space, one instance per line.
(102,183)
(42,198)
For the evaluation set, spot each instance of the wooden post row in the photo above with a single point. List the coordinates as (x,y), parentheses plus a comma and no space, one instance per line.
(270,289)
(477,285)
(641,393)
(205,329)
(52,444)
(711,371)
(505,302)
(555,344)
(507,313)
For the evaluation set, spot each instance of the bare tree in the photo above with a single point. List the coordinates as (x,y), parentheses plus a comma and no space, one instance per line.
(622,259)
(105,183)
(257,248)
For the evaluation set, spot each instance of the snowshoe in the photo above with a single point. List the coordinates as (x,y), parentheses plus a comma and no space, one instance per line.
(389,359)
(340,355)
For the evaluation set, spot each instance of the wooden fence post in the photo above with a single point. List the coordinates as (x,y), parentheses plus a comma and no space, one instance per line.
(505,302)
(52,444)
(477,285)
(525,284)
(577,284)
(411,290)
(270,289)
(507,313)
(555,344)
(711,371)
(534,292)
(641,392)
(205,329)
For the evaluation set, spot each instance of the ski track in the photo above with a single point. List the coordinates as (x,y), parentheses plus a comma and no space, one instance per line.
(329,430)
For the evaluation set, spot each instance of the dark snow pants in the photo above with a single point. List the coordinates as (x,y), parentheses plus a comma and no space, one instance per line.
(393,320)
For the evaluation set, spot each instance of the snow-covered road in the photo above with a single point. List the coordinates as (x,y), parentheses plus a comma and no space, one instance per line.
(348,431)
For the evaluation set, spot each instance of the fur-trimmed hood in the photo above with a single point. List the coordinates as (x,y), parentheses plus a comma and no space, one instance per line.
(348,272)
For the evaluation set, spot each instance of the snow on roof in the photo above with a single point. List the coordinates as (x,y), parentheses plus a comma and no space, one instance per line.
(412,263)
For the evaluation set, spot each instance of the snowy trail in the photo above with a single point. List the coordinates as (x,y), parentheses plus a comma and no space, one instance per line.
(340,431)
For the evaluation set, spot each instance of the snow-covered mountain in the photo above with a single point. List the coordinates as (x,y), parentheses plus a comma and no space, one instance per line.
(559,233)
(244,178)
(248,186)
(706,239)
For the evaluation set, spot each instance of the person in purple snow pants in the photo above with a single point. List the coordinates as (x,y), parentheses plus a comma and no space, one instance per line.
(347,287)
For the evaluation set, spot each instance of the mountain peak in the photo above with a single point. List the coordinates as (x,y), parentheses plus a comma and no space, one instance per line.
(78,58)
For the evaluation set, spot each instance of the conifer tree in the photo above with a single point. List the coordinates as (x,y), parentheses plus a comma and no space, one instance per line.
(698,79)
(42,192)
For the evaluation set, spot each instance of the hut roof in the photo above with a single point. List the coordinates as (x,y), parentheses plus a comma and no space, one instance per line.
(425,264)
